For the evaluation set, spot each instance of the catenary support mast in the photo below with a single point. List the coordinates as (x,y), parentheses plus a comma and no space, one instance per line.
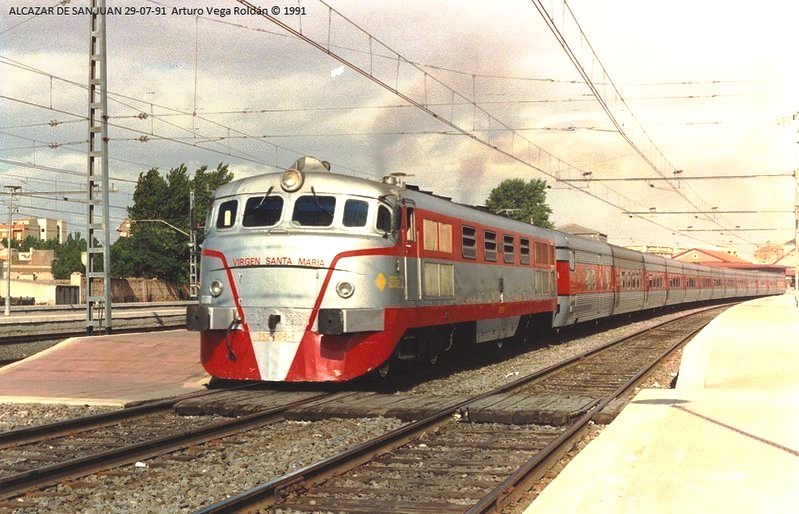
(98,234)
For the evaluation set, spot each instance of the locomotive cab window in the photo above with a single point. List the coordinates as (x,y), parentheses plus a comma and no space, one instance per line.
(383,219)
(227,214)
(262,211)
(314,211)
(410,224)
(355,212)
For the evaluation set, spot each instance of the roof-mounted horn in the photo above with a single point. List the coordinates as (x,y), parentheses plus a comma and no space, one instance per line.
(311,164)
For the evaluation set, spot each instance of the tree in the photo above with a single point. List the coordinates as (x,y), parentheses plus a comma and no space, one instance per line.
(67,257)
(154,249)
(522,201)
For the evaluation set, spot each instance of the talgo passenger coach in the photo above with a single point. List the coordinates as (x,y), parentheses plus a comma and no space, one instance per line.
(312,276)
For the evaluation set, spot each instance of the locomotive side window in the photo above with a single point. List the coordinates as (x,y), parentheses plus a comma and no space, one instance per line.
(490,246)
(383,219)
(355,212)
(437,236)
(524,247)
(445,237)
(262,211)
(508,245)
(430,229)
(227,214)
(469,242)
(438,280)
(314,211)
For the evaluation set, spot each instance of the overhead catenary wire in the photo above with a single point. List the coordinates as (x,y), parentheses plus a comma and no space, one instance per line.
(421,105)
(115,97)
(600,97)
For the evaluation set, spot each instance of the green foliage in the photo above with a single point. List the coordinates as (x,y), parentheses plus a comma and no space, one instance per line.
(67,256)
(522,201)
(36,243)
(154,249)
(14,243)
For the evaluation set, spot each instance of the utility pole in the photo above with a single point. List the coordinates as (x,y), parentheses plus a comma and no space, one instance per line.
(98,234)
(11,191)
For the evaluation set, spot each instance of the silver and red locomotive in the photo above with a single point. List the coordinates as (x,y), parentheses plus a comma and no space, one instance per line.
(312,276)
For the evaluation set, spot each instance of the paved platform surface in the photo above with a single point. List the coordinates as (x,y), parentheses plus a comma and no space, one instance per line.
(107,370)
(725,440)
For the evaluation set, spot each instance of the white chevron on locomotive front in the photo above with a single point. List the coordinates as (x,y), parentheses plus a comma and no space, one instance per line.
(311,276)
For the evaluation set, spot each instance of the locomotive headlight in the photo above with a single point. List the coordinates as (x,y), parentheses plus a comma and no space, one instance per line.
(216,288)
(291,180)
(345,289)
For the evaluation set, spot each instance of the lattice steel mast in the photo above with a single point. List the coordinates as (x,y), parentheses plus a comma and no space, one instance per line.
(98,233)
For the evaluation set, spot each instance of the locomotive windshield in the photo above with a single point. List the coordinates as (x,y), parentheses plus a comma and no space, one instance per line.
(322,211)
(314,211)
(263,211)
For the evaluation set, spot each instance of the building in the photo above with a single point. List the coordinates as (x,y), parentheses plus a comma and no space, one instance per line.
(725,260)
(788,260)
(32,265)
(579,230)
(662,251)
(769,254)
(124,228)
(709,257)
(40,228)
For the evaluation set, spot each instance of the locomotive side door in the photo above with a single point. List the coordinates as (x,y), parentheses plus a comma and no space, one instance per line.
(410,252)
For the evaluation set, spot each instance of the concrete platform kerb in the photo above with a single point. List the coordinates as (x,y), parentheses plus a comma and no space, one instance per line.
(725,440)
(107,370)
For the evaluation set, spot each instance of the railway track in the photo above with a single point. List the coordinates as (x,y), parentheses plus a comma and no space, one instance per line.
(39,456)
(477,454)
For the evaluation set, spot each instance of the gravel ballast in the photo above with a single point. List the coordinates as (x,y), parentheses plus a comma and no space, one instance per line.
(201,475)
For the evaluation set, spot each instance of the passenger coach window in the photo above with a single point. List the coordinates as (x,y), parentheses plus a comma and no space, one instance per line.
(355,212)
(383,219)
(227,214)
(469,242)
(262,211)
(490,249)
(314,211)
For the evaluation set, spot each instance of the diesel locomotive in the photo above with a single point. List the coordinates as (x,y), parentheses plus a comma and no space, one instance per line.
(307,275)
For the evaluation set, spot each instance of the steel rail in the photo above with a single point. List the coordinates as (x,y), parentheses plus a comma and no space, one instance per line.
(48,475)
(302,479)
(76,425)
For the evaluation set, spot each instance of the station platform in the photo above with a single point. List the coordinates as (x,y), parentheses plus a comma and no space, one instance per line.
(107,370)
(725,440)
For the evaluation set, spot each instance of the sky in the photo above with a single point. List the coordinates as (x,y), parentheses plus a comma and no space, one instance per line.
(704,88)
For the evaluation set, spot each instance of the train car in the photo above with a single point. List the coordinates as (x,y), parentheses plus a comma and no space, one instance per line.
(675,275)
(311,276)
(585,279)
(656,285)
